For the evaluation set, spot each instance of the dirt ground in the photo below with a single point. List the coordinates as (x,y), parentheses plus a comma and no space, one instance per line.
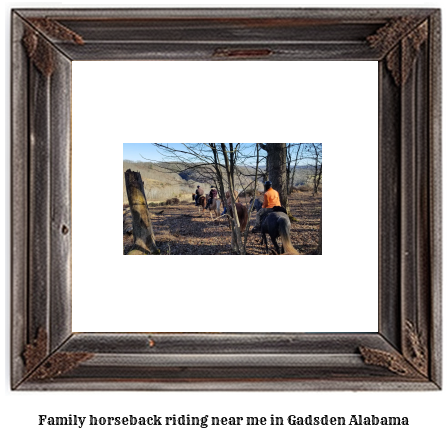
(182,229)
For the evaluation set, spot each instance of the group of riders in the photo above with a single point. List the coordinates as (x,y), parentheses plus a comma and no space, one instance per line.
(271,200)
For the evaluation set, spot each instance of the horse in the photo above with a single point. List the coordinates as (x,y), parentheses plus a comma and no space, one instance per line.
(276,224)
(193,196)
(202,203)
(258,204)
(228,196)
(242,214)
(215,206)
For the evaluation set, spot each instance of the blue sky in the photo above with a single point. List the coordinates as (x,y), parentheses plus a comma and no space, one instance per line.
(135,151)
(142,151)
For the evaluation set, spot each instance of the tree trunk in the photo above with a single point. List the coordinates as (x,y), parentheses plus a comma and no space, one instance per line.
(318,170)
(288,169)
(320,235)
(143,235)
(266,173)
(277,170)
(294,169)
(254,196)
(235,225)
(219,179)
(318,179)
(315,177)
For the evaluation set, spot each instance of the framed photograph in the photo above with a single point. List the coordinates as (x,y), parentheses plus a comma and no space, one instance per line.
(192,189)
(190,337)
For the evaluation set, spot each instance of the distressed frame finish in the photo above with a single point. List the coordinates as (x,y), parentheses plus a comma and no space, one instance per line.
(405,354)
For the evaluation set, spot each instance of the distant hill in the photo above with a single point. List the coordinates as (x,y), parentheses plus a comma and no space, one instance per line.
(169,180)
(159,184)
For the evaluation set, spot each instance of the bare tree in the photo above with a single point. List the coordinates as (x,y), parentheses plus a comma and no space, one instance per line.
(220,163)
(320,235)
(316,155)
(266,172)
(276,168)
(291,152)
(239,240)
(254,194)
(234,222)
(219,178)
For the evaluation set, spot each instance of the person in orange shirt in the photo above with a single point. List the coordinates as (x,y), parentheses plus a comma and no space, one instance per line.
(271,199)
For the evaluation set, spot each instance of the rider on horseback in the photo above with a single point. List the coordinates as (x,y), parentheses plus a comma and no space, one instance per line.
(199,193)
(213,195)
(271,199)
(228,200)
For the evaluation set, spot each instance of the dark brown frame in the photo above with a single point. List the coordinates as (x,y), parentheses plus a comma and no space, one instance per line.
(405,354)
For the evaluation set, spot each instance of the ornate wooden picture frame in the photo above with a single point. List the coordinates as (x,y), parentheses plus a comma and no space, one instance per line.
(405,353)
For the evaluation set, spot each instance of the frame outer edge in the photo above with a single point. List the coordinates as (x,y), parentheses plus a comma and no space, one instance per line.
(350,13)
(30,188)
(435,138)
(19,199)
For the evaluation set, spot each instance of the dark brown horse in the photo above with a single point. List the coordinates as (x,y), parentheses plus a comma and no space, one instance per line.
(193,196)
(242,214)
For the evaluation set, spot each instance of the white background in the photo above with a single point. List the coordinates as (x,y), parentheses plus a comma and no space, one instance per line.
(19,411)
(335,103)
